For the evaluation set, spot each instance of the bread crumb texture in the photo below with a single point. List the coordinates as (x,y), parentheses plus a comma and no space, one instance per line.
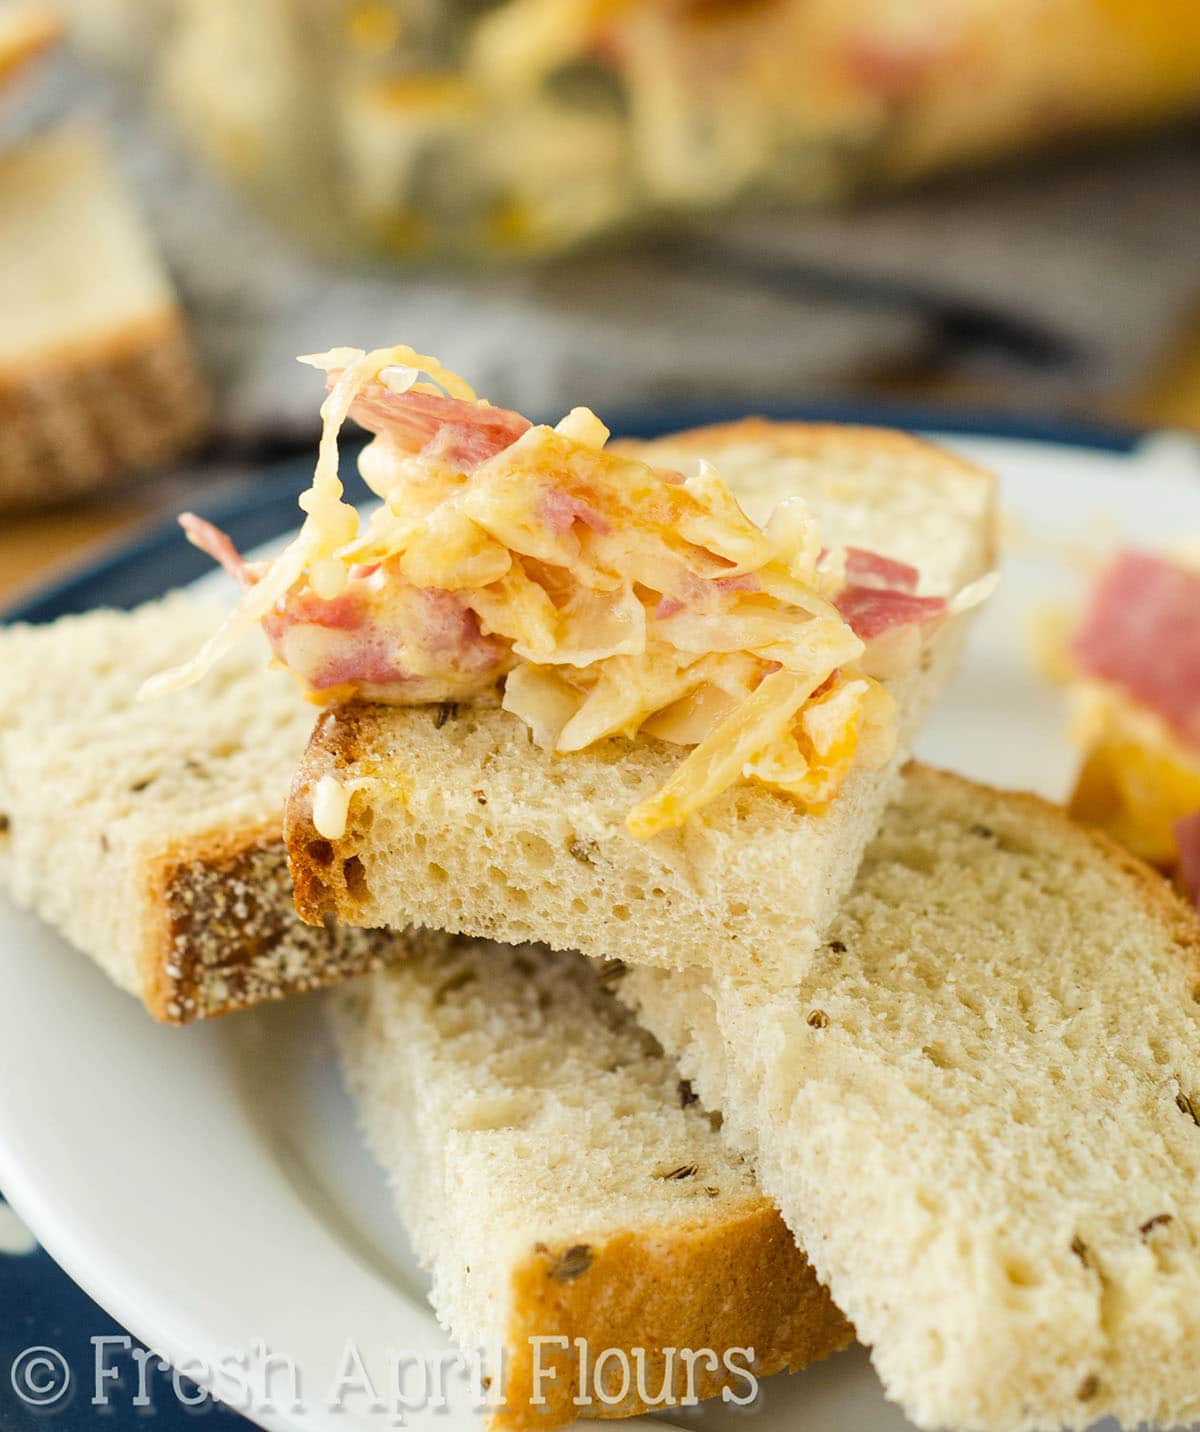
(989,1143)
(558,1180)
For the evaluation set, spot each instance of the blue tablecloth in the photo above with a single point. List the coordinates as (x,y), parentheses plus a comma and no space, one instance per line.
(51,1336)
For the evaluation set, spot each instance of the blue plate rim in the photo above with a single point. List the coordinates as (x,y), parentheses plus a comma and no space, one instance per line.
(144,565)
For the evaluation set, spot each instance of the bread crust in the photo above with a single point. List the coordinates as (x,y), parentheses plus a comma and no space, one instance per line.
(89,413)
(222,932)
(319,888)
(741,1282)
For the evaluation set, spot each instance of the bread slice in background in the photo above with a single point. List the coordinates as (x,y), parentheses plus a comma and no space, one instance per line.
(558,1180)
(466,826)
(979,1111)
(97,376)
(151,835)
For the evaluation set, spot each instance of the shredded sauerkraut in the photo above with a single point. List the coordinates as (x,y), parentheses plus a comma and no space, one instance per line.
(596,596)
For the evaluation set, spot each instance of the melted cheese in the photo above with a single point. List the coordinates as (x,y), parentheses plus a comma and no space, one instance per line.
(331,804)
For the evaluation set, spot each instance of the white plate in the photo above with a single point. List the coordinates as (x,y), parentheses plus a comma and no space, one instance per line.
(206,1185)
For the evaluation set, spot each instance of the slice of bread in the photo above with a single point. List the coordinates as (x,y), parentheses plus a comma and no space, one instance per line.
(558,1181)
(97,377)
(151,835)
(979,1111)
(466,826)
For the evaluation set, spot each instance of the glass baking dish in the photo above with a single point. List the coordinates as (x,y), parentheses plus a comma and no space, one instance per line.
(418,127)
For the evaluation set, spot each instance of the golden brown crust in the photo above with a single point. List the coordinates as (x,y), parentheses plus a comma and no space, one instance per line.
(223,933)
(738,1282)
(86,415)
(318,865)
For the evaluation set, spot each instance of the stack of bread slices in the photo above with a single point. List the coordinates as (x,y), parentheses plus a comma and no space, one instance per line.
(923,1069)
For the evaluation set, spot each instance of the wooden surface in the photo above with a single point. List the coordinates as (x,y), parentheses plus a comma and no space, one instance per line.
(34,548)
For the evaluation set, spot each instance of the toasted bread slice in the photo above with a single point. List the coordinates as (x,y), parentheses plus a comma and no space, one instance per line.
(559,1182)
(979,1111)
(466,826)
(151,835)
